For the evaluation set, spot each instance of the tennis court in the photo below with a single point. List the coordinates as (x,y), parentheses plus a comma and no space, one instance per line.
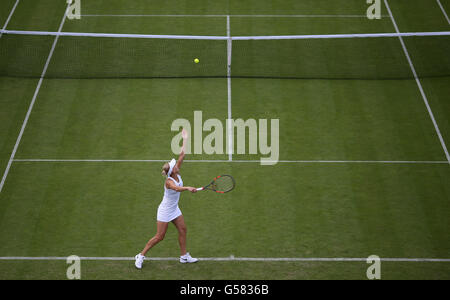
(364,133)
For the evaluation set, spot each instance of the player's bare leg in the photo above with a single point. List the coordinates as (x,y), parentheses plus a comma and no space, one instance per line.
(182,233)
(161,229)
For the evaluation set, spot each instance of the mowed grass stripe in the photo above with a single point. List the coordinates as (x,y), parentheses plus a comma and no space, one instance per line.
(131,119)
(221,270)
(98,210)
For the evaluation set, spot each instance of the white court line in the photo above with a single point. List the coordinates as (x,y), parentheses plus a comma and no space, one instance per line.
(230,129)
(443,11)
(232,258)
(238,161)
(33,100)
(225,38)
(223,16)
(436,127)
(9,17)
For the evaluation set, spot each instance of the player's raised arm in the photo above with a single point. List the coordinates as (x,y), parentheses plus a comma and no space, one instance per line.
(184,135)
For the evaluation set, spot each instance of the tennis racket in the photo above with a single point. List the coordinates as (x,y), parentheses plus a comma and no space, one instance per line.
(220,184)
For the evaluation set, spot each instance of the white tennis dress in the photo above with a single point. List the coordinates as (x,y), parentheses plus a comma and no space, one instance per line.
(168,210)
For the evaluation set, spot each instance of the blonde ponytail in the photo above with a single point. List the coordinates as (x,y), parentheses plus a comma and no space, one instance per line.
(165,169)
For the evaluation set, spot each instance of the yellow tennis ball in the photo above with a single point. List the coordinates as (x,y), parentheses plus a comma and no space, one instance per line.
(196,60)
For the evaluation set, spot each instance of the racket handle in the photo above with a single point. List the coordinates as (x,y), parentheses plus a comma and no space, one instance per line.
(200,189)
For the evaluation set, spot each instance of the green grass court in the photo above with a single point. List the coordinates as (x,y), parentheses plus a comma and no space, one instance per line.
(362,168)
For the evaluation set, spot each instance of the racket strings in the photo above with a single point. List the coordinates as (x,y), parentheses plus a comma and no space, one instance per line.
(224,184)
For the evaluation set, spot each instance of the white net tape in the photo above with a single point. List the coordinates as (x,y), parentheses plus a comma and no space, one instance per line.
(196,37)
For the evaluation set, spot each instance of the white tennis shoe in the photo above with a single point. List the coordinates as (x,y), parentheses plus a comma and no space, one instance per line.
(139,260)
(187,258)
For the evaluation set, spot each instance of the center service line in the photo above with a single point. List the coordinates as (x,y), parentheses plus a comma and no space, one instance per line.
(230,128)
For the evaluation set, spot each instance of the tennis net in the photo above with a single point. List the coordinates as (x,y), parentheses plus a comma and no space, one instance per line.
(342,56)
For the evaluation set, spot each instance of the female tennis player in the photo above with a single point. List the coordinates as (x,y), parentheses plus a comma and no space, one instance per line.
(168,210)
